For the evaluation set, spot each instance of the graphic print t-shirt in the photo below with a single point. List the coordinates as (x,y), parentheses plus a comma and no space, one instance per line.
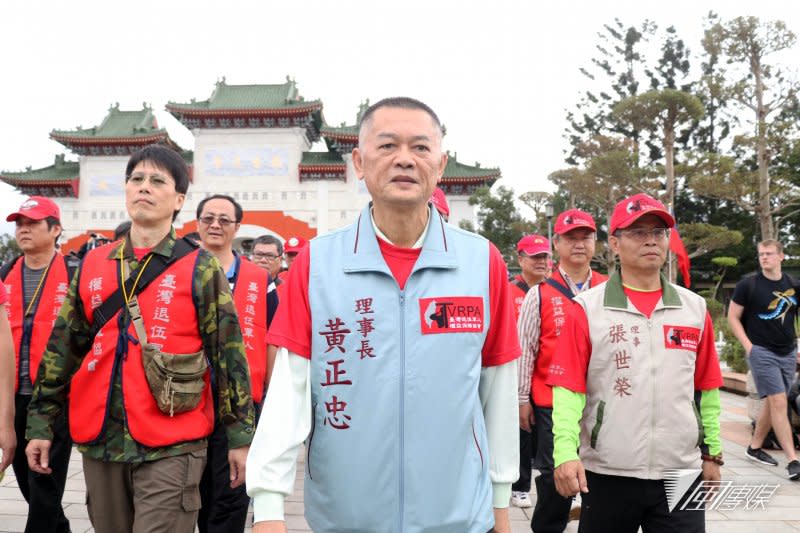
(770,309)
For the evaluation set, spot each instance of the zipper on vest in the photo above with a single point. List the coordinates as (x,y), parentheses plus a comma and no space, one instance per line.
(700,431)
(599,414)
(27,337)
(116,367)
(402,407)
(310,440)
(27,332)
(477,445)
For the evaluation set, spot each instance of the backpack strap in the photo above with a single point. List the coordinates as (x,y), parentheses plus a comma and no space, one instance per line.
(560,288)
(6,269)
(158,264)
(71,267)
(524,287)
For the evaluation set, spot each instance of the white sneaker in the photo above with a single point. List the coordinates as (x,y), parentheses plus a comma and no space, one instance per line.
(520,499)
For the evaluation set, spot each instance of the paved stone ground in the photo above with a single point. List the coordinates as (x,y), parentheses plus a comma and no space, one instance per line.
(782,514)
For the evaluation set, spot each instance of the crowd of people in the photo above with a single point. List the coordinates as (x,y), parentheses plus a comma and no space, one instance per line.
(424,385)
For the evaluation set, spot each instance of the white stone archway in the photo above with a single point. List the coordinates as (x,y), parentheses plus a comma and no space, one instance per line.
(248,232)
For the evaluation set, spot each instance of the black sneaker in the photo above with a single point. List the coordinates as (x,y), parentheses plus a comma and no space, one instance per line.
(793,469)
(760,456)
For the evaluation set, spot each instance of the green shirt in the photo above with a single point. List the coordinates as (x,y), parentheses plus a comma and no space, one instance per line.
(219,331)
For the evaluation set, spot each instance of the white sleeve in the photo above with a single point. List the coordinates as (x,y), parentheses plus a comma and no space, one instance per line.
(284,425)
(528,330)
(498,393)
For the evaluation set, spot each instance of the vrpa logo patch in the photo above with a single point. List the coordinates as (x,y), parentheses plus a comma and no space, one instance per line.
(451,314)
(681,338)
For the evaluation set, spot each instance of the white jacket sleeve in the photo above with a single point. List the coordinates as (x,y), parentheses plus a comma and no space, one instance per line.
(498,393)
(529,326)
(284,425)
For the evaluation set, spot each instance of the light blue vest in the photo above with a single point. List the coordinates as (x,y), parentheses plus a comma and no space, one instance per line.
(413,455)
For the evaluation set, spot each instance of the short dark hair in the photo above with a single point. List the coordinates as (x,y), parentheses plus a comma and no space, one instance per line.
(51,223)
(403,102)
(268,239)
(237,209)
(164,158)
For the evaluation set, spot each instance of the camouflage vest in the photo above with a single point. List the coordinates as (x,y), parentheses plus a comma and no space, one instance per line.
(170,318)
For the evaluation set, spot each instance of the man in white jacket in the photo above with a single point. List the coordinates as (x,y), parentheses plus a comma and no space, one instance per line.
(397,359)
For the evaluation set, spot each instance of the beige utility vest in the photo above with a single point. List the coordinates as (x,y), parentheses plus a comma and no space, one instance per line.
(640,416)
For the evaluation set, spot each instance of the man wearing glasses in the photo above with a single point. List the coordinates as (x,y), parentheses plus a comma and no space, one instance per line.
(762,316)
(268,254)
(636,386)
(143,437)
(224,509)
(540,323)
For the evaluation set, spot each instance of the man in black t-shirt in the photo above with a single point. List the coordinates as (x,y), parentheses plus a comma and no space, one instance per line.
(762,314)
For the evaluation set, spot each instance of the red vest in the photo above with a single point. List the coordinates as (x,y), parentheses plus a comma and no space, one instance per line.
(167,306)
(553,306)
(51,296)
(250,299)
(518,294)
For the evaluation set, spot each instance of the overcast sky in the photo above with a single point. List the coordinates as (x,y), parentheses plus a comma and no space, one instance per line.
(499,73)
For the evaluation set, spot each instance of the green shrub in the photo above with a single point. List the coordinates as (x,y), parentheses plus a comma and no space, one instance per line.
(732,353)
(715,309)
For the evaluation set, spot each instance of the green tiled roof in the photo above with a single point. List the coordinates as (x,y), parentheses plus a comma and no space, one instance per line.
(321,158)
(61,170)
(344,129)
(339,130)
(455,169)
(342,139)
(230,97)
(118,124)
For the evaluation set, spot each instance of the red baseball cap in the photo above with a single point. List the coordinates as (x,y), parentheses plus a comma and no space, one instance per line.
(534,244)
(36,208)
(440,202)
(633,208)
(572,219)
(294,244)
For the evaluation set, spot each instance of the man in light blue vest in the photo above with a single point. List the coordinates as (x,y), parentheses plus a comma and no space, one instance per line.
(397,359)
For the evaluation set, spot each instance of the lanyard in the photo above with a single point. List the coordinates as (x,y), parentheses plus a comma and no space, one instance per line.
(123,276)
(38,287)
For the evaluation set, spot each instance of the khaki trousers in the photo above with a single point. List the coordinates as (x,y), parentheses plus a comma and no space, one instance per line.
(160,496)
